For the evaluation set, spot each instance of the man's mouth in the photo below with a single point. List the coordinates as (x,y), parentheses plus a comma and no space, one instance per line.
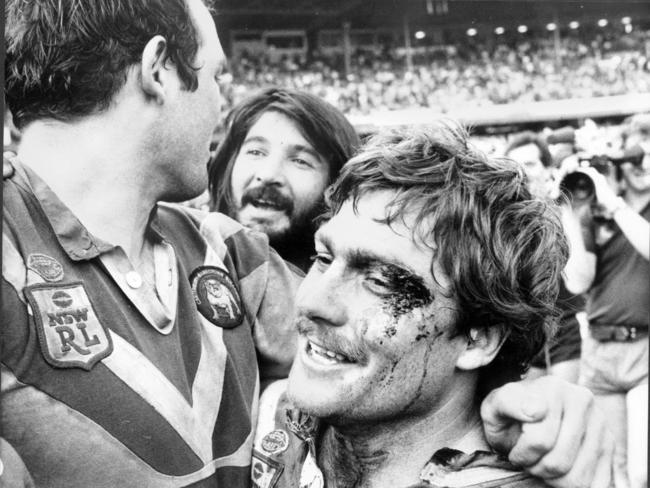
(324,354)
(267,198)
(267,204)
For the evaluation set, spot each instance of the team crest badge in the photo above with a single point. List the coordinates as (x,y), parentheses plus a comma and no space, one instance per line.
(45,266)
(265,472)
(275,442)
(69,331)
(216,296)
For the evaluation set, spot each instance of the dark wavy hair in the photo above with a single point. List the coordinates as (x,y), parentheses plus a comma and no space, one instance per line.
(66,59)
(529,137)
(502,249)
(322,124)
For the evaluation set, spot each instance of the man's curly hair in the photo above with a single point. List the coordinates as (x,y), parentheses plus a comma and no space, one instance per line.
(502,249)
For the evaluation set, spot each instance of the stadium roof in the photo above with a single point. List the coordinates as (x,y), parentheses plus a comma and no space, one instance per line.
(314,14)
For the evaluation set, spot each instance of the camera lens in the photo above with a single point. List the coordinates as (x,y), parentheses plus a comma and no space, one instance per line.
(578,186)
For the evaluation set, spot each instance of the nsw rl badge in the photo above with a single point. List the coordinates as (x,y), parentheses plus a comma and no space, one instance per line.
(68,328)
(216,296)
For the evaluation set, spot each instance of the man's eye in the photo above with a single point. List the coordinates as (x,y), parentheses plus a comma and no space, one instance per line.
(254,152)
(301,162)
(378,285)
(321,260)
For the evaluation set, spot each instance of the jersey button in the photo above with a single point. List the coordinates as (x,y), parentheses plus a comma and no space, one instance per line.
(133,279)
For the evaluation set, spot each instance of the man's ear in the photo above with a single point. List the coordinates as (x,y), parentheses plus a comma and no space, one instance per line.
(482,346)
(153,65)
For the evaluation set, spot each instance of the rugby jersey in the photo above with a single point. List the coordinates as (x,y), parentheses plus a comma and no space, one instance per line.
(107,383)
(285,454)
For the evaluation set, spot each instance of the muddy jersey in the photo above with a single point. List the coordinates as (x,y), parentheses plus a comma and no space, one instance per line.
(110,380)
(285,455)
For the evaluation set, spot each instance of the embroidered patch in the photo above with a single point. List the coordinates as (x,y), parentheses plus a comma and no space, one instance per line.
(216,296)
(265,472)
(45,266)
(69,331)
(275,442)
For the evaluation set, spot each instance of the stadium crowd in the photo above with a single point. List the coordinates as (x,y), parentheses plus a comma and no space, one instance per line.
(454,77)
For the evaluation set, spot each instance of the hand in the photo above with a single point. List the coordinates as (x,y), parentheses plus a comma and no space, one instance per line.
(568,165)
(553,430)
(605,194)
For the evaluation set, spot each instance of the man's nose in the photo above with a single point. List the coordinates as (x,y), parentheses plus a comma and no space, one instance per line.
(270,170)
(322,298)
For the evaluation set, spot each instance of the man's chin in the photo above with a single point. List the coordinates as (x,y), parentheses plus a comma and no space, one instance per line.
(309,402)
(317,397)
(323,408)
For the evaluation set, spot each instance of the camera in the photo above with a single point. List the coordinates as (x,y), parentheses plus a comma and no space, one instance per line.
(579,186)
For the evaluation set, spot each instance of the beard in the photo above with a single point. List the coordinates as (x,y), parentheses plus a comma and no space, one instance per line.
(296,242)
(291,235)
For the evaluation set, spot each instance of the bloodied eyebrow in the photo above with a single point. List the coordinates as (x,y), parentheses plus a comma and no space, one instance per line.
(405,289)
(408,290)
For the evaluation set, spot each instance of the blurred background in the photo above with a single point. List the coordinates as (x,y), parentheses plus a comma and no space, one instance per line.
(499,66)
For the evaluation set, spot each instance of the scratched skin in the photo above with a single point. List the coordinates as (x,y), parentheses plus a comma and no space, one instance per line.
(372,299)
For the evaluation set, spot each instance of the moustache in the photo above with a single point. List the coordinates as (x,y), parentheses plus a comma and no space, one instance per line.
(324,336)
(269,195)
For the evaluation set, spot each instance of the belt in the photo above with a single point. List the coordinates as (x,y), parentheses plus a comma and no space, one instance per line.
(617,333)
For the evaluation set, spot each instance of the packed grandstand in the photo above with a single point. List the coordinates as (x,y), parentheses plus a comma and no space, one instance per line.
(593,54)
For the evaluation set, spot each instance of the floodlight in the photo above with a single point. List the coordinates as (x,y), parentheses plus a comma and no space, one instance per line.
(499,30)
(471,32)
(522,29)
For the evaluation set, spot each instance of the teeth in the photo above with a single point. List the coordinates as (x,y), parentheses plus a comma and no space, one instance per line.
(265,203)
(326,352)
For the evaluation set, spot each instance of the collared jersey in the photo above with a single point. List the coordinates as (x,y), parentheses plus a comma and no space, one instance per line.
(285,455)
(108,380)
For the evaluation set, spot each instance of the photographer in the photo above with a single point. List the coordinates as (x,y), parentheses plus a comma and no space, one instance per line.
(614,361)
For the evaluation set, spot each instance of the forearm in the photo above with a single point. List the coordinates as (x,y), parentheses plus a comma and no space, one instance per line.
(580,268)
(634,227)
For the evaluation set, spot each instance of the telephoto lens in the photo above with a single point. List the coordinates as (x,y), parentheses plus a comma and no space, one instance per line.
(578,187)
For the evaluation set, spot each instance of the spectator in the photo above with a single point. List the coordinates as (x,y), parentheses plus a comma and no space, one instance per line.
(615,351)
(280,150)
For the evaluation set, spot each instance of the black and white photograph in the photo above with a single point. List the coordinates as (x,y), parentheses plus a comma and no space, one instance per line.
(325,244)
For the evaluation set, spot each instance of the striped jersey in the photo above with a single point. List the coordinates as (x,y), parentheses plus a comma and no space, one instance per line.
(286,455)
(110,380)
